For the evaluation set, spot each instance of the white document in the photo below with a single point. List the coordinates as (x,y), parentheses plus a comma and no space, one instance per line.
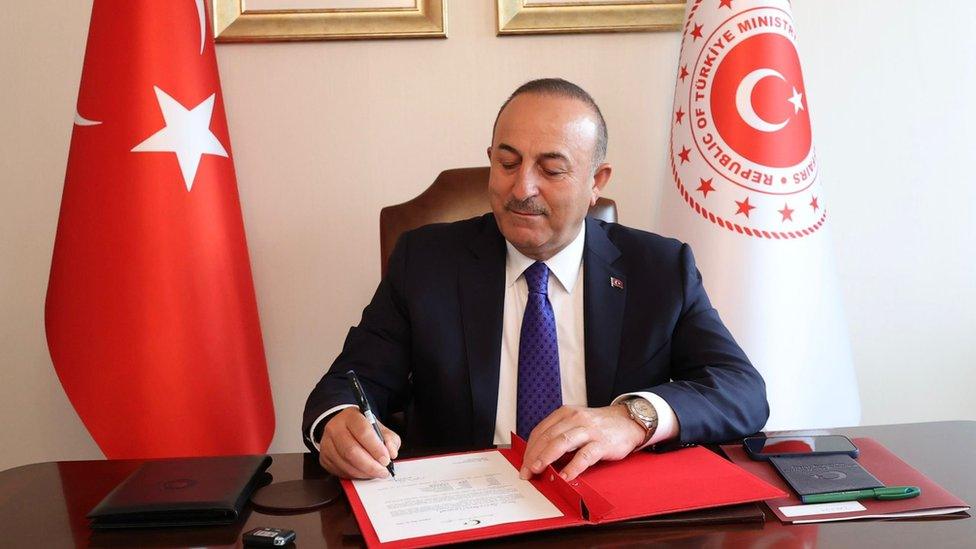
(449,494)
(813,509)
(821,508)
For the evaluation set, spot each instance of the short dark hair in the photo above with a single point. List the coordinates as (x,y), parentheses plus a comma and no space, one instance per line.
(564,88)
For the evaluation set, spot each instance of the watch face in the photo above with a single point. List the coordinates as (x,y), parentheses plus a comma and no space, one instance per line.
(644,409)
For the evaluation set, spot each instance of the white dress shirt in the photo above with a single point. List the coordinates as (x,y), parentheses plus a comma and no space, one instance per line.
(566,297)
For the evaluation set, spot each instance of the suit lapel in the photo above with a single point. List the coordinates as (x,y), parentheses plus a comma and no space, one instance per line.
(603,310)
(482,290)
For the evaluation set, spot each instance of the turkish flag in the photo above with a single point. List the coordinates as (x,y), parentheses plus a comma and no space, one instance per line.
(151,317)
(749,198)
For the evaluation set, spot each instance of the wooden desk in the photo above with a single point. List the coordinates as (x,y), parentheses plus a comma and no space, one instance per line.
(44,505)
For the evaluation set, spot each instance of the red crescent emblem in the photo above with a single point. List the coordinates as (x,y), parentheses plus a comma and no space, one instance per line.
(742,152)
(751,102)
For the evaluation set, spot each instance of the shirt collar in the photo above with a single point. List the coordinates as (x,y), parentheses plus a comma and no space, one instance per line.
(565,265)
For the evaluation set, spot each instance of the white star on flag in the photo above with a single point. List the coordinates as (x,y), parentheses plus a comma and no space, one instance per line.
(186,133)
(797,100)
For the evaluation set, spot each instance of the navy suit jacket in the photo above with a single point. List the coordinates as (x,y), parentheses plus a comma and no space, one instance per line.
(429,342)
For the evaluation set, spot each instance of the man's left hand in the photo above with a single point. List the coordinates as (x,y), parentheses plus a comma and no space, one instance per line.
(596,434)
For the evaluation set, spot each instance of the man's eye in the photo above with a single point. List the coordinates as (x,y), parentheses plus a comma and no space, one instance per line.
(509,165)
(553,173)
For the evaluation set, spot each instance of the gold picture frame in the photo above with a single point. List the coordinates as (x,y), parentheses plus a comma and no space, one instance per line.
(234,21)
(579,16)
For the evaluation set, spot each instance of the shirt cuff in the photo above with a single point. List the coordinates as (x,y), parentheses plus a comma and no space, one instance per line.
(667,421)
(327,413)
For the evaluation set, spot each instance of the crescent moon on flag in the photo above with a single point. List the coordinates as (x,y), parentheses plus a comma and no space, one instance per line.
(203,24)
(82,121)
(743,101)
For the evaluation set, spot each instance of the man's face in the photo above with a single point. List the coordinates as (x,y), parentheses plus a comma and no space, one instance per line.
(542,178)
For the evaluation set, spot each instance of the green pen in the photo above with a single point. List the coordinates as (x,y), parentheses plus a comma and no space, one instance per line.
(885,493)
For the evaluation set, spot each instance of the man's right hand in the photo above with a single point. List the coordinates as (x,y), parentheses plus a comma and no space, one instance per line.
(350,449)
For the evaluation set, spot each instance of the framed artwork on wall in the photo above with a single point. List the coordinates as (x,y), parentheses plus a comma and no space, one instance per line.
(279,20)
(578,16)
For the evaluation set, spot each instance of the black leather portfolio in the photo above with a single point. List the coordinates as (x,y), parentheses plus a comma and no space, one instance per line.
(181,492)
(820,474)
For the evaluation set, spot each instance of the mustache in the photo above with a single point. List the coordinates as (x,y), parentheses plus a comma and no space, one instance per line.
(529,205)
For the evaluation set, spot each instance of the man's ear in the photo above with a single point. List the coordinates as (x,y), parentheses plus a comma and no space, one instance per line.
(489,155)
(600,179)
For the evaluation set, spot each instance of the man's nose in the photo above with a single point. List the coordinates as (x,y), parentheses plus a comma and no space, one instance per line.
(526,183)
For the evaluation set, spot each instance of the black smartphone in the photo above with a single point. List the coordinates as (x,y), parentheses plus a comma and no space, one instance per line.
(763,448)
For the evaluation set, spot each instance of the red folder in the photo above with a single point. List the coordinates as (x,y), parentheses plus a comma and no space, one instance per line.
(880,462)
(643,484)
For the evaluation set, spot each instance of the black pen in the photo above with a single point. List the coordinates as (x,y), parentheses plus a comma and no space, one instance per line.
(368,412)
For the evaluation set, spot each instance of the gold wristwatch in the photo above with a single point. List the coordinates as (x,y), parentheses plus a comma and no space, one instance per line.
(644,413)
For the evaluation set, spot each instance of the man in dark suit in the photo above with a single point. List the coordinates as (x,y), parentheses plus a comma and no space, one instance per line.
(579,335)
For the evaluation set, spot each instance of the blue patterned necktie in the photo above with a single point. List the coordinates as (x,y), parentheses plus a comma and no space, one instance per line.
(539,390)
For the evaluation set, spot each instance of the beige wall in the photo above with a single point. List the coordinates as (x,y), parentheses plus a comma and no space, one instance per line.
(326,133)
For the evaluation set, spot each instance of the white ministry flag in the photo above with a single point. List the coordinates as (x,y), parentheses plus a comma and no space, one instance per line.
(748,196)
